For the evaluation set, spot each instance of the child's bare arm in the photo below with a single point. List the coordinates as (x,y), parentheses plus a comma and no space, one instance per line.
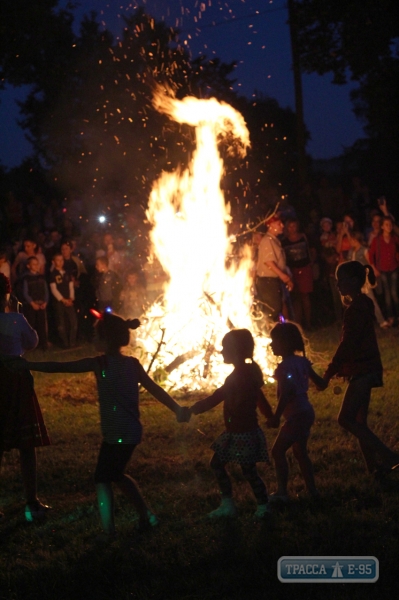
(83,365)
(281,406)
(286,392)
(208,403)
(320,383)
(264,406)
(158,392)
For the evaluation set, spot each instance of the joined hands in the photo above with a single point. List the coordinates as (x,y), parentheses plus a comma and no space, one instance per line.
(183,414)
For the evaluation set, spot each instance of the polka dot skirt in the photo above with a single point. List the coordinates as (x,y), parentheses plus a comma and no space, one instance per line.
(242,448)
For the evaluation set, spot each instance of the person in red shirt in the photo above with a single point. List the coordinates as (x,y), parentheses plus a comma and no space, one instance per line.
(243,441)
(384,257)
(358,359)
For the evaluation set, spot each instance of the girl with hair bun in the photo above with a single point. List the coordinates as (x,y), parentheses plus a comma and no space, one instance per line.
(358,359)
(118,378)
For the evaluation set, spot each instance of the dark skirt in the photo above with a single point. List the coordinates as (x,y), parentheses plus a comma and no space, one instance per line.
(242,448)
(21,421)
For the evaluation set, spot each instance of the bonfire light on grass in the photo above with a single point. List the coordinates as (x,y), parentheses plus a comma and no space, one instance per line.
(206,295)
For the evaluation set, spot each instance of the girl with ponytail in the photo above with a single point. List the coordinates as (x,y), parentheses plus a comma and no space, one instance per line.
(358,359)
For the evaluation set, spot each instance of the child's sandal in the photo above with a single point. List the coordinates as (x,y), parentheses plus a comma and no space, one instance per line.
(36,511)
(148,523)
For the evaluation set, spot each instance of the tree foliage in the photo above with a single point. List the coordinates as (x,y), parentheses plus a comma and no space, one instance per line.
(92,121)
(36,40)
(90,117)
(343,36)
(358,40)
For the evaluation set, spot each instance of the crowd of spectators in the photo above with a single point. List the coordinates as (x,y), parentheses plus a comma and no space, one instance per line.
(313,248)
(62,263)
(60,266)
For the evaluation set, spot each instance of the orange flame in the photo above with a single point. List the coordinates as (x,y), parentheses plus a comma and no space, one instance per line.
(203,297)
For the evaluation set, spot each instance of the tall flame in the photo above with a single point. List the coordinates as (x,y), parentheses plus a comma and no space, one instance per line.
(203,297)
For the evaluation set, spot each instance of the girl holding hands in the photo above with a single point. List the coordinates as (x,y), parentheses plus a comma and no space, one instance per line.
(243,441)
(118,378)
(292,376)
(358,359)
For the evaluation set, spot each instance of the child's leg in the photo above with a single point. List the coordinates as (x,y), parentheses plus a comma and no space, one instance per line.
(300,451)
(28,464)
(221,476)
(59,310)
(227,507)
(279,450)
(129,488)
(368,453)
(72,319)
(353,418)
(111,463)
(105,499)
(251,474)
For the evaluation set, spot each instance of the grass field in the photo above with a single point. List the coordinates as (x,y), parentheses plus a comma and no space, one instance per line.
(188,557)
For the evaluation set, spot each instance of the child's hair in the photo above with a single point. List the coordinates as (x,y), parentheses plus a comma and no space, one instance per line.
(114,330)
(5,287)
(242,341)
(30,238)
(31,259)
(355,270)
(290,337)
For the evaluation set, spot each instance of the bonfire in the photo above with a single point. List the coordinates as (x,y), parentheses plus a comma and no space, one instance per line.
(206,294)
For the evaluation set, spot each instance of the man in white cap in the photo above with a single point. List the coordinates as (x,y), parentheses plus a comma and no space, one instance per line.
(271,270)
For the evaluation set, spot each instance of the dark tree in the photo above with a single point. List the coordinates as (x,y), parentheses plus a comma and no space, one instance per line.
(358,40)
(350,38)
(91,120)
(35,40)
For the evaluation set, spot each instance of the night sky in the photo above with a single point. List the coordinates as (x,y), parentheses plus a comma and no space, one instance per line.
(254,33)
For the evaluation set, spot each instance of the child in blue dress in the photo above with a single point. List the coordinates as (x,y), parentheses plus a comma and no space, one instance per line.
(292,376)
(118,378)
(243,441)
